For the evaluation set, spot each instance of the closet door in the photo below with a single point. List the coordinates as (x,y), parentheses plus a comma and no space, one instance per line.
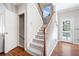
(10,30)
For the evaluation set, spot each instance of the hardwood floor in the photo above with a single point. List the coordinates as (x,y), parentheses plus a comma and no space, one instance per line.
(18,51)
(62,49)
(66,49)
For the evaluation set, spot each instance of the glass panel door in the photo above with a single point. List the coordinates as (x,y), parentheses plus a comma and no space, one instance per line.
(66,31)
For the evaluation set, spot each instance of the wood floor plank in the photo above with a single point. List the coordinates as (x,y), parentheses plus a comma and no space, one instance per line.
(66,49)
(62,49)
(18,51)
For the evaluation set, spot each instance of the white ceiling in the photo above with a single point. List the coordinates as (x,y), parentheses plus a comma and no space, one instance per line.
(63,6)
(17,4)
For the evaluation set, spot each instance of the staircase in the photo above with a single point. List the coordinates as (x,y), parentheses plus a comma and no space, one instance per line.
(36,47)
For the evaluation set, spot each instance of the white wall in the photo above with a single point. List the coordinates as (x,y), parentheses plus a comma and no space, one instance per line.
(34,22)
(21,7)
(10,7)
(51,35)
(74,16)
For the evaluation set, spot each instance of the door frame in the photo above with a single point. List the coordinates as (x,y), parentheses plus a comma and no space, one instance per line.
(25,30)
(71,31)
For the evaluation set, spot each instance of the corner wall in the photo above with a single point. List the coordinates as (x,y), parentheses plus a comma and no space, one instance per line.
(51,35)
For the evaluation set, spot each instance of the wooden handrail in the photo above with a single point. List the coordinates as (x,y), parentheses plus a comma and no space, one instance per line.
(44,53)
(44,43)
(40,10)
(45,35)
(50,19)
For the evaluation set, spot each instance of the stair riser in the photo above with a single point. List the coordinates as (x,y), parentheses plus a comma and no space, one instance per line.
(40,33)
(37,47)
(41,30)
(40,37)
(35,54)
(38,41)
(43,26)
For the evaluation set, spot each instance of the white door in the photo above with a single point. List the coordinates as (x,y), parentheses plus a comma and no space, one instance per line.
(10,30)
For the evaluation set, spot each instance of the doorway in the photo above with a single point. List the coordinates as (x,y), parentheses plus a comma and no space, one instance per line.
(66,30)
(21,30)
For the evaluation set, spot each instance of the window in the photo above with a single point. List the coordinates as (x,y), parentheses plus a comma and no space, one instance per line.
(46,11)
(66,25)
(66,29)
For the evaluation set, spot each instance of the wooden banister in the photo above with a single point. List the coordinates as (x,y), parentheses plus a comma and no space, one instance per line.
(45,34)
(50,18)
(44,53)
(40,10)
(44,44)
